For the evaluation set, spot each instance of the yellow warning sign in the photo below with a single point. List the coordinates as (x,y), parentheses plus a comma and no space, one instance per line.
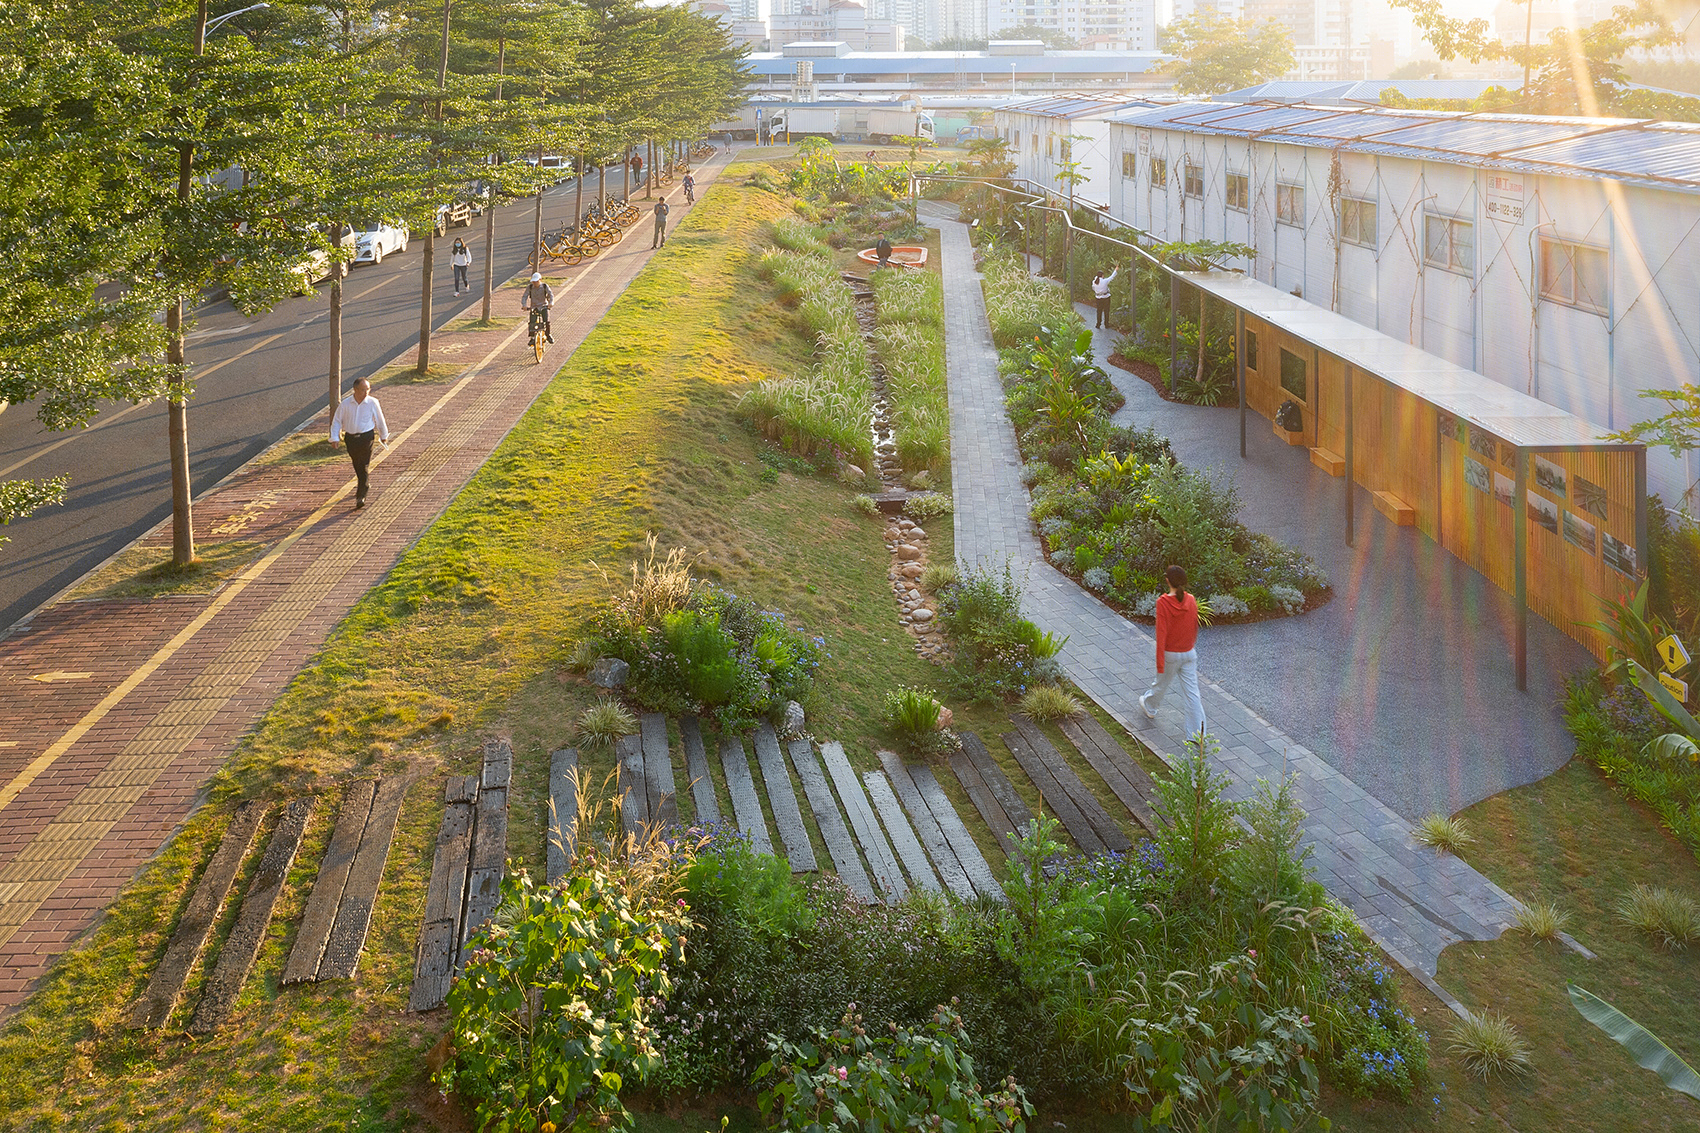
(1672,653)
(1678,688)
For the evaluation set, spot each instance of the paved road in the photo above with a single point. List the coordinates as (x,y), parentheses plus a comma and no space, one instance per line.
(255,379)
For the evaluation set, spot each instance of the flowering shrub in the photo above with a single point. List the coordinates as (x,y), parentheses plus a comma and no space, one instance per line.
(999,653)
(718,655)
(552,1012)
(846,1079)
(1377,1048)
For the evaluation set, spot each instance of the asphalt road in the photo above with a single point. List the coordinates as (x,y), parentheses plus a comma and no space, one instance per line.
(255,380)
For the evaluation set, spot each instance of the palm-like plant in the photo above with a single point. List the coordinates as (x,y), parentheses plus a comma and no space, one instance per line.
(1650,1052)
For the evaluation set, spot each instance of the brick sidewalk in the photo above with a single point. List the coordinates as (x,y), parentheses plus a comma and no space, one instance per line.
(118,711)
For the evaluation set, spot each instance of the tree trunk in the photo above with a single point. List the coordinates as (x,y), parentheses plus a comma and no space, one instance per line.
(1198,374)
(649,185)
(489,252)
(537,233)
(335,330)
(602,185)
(425,265)
(177,439)
(578,205)
(626,168)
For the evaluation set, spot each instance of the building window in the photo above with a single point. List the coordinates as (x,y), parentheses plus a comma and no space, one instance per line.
(1251,350)
(1574,274)
(1239,195)
(1449,243)
(1063,148)
(1357,221)
(1159,173)
(1194,179)
(1293,374)
(1290,204)
(1130,165)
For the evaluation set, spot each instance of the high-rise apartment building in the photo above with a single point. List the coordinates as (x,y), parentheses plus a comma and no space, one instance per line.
(1105,25)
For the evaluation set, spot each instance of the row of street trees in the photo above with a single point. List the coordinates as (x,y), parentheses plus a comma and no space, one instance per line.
(161,151)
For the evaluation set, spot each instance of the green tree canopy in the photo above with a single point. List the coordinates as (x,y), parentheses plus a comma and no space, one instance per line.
(1215,54)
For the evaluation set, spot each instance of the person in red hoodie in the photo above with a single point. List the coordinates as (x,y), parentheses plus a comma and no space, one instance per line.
(1177,652)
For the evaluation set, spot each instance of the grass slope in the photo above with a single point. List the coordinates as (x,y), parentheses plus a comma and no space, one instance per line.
(636,434)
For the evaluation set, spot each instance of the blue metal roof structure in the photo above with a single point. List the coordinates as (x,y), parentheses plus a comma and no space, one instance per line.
(872,64)
(1662,155)
(1366,91)
(1072,106)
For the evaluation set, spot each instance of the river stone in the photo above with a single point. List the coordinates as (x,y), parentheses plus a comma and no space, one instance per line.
(793,725)
(609,672)
(917,533)
(946,716)
(908,551)
(911,570)
(923,615)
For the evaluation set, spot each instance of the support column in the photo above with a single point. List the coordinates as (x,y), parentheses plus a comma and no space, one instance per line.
(1520,520)
(1174,304)
(1350,378)
(1026,227)
(1239,369)
(1643,559)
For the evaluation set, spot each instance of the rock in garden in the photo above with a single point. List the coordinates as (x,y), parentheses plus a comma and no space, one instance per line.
(911,570)
(923,615)
(917,533)
(793,718)
(945,717)
(908,551)
(609,672)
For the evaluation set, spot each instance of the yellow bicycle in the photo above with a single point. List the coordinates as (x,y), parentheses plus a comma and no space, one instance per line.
(539,333)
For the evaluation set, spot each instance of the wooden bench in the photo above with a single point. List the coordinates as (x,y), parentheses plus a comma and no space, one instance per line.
(1395,509)
(1329,462)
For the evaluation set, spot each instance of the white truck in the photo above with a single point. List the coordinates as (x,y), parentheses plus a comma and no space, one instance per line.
(878,124)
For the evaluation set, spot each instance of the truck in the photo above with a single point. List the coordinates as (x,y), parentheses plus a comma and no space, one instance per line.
(877,124)
(745,127)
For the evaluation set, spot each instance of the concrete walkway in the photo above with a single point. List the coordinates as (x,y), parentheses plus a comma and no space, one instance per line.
(1404,681)
(1412,900)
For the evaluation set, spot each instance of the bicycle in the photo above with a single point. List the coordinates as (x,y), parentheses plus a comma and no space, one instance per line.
(539,335)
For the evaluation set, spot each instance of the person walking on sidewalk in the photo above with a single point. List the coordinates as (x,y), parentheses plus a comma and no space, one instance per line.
(1101,293)
(1177,652)
(460,258)
(660,237)
(690,184)
(360,421)
(637,169)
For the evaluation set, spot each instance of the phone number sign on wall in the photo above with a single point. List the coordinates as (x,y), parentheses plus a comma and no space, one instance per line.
(1505,198)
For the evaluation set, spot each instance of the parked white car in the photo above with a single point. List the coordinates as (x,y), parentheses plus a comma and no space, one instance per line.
(372,245)
(316,268)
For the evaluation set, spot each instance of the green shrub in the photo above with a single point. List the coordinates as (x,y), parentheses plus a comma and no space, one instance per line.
(795,235)
(937,576)
(1672,919)
(1018,304)
(1541,920)
(927,505)
(1613,723)
(849,1079)
(550,1016)
(1490,1046)
(1050,702)
(912,711)
(1443,833)
(604,722)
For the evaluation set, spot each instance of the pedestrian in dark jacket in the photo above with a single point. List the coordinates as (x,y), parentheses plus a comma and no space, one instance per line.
(883,251)
(660,238)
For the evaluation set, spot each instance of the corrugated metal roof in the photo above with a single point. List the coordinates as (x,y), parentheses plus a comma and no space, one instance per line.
(1508,413)
(1073,106)
(1361,91)
(1663,155)
(977,63)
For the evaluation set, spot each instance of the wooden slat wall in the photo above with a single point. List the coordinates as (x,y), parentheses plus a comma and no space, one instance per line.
(1397,448)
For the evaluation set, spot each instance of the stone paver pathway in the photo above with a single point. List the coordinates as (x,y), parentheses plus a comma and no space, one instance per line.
(1413,900)
(117,712)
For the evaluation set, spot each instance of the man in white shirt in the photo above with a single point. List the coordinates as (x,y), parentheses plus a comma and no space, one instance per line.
(1101,293)
(359,421)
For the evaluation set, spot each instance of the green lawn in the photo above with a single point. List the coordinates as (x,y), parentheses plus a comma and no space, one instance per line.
(637,434)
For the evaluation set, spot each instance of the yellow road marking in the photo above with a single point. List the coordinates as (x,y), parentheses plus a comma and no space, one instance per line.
(60,675)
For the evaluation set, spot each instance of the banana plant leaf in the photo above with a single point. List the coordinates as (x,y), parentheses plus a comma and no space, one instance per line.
(1667,704)
(1649,1051)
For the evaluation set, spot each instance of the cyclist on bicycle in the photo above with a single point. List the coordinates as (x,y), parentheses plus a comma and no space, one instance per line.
(690,189)
(538,299)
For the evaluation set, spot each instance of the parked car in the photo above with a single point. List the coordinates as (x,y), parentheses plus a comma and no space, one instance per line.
(560,167)
(316,267)
(372,245)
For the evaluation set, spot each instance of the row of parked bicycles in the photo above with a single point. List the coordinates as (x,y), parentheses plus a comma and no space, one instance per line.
(600,227)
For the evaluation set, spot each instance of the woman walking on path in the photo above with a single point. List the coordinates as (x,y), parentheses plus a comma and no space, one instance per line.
(1177,652)
(1101,294)
(460,257)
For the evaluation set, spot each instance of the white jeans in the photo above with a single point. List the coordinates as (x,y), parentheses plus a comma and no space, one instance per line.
(1185,667)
